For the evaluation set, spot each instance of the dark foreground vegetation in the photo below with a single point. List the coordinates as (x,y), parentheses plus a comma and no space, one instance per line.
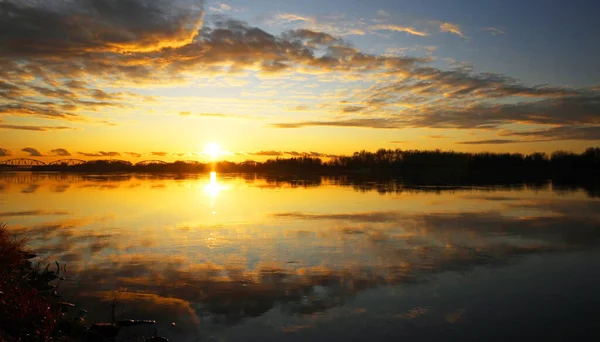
(383,162)
(31,308)
(27,312)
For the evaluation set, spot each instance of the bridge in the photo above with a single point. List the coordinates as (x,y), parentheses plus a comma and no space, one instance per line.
(22,162)
(68,162)
(115,161)
(28,162)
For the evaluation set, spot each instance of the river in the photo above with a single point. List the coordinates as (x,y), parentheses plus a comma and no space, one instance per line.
(245,258)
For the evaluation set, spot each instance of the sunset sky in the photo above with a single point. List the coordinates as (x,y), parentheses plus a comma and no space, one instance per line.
(144,79)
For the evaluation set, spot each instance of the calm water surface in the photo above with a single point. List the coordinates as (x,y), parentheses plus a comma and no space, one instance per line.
(243,258)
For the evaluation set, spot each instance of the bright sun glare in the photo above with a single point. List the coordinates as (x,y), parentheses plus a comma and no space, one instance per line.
(213,150)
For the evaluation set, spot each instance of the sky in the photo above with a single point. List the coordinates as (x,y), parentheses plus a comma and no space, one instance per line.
(144,79)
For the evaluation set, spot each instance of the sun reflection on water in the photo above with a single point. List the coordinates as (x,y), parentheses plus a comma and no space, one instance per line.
(212,190)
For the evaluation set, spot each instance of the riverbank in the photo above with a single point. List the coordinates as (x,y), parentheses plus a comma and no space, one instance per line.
(31,309)
(27,309)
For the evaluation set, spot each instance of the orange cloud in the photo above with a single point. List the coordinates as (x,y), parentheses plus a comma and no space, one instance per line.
(398,28)
(35,128)
(452,28)
(99,154)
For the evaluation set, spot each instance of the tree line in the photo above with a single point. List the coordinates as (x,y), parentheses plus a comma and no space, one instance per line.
(388,161)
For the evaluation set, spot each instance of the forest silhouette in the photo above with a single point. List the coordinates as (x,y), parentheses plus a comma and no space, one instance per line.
(388,162)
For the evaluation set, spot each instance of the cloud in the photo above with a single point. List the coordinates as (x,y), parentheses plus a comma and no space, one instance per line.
(352,109)
(4,152)
(313,38)
(291,17)
(383,13)
(568,110)
(319,154)
(75,85)
(494,30)
(99,94)
(267,153)
(44,42)
(461,83)
(424,49)
(10,91)
(32,152)
(459,98)
(230,43)
(589,133)
(98,26)
(133,154)
(227,45)
(452,28)
(309,154)
(33,110)
(35,128)
(60,152)
(575,110)
(31,213)
(100,154)
(575,132)
(160,154)
(336,24)
(167,41)
(366,123)
(107,123)
(488,142)
(398,28)
(141,49)
(221,8)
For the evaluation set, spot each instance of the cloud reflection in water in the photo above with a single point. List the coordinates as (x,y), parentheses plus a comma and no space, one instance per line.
(285,252)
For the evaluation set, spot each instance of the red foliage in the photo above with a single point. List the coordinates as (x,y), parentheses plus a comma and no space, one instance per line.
(25,313)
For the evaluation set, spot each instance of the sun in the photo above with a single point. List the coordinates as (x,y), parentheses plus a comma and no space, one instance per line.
(213,150)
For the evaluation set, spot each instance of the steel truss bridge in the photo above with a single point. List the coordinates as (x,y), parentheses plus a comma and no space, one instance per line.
(22,162)
(68,162)
(28,162)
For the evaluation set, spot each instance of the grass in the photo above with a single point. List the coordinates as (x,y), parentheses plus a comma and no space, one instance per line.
(27,311)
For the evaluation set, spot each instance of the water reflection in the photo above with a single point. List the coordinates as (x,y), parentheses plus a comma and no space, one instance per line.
(212,190)
(288,256)
(30,182)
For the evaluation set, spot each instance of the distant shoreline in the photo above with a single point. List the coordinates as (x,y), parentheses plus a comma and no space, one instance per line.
(421,172)
(381,180)
(382,163)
